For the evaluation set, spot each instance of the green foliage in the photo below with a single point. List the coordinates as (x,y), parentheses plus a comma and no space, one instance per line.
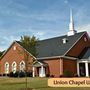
(29,43)
(1,53)
(67,73)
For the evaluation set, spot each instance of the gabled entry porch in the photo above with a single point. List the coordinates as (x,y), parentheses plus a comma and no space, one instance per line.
(83,68)
(83,63)
(39,69)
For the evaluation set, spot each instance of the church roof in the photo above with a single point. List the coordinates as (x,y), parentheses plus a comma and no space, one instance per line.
(85,53)
(55,46)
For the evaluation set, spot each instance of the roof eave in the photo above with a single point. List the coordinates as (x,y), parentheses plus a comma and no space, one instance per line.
(67,57)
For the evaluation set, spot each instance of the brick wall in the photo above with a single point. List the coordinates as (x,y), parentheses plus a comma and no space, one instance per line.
(70,65)
(54,66)
(13,55)
(78,48)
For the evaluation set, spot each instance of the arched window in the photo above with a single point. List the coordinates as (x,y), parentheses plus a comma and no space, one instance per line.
(6,68)
(14,67)
(22,66)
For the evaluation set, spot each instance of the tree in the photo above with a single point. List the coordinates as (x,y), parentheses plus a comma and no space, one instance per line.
(1,53)
(29,43)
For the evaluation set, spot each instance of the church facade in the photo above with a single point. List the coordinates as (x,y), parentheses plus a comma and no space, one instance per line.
(70,52)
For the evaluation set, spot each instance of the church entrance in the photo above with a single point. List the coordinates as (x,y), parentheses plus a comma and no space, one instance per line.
(82,69)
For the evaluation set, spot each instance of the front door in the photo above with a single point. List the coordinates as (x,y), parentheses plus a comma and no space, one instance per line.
(41,72)
(82,69)
(89,68)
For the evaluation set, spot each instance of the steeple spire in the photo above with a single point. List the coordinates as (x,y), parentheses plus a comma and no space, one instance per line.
(71,25)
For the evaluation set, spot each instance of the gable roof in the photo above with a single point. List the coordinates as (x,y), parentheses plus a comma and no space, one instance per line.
(55,46)
(18,42)
(85,53)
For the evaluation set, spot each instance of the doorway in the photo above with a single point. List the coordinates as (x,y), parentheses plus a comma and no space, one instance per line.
(42,72)
(82,69)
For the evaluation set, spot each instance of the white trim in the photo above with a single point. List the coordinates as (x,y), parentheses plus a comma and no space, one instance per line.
(20,67)
(14,68)
(42,72)
(83,61)
(8,48)
(57,57)
(26,51)
(38,62)
(6,69)
(33,68)
(86,69)
(74,43)
(78,69)
(20,46)
(14,62)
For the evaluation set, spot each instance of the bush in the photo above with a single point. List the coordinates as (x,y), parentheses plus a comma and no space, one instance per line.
(52,76)
(75,75)
(61,76)
(29,74)
(16,74)
(21,74)
(47,75)
(11,74)
(7,75)
(67,73)
(4,74)
(0,74)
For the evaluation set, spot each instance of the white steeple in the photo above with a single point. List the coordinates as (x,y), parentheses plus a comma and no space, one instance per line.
(71,25)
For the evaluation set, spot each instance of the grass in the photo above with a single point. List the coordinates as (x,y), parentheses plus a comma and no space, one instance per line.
(7,83)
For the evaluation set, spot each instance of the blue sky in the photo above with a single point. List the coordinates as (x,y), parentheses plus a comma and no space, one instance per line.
(42,18)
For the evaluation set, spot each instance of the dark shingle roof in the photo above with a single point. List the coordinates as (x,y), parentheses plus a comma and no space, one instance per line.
(54,46)
(85,53)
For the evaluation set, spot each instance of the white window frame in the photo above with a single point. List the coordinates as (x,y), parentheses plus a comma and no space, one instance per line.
(22,68)
(6,67)
(14,67)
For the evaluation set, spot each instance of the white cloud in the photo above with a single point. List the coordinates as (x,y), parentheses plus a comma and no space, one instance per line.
(6,41)
(66,1)
(84,28)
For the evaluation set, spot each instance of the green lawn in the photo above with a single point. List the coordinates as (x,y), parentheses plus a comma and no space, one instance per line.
(35,83)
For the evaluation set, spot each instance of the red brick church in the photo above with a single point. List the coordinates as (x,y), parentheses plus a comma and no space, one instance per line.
(70,52)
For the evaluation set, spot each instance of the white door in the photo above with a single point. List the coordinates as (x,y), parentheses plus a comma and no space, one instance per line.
(41,72)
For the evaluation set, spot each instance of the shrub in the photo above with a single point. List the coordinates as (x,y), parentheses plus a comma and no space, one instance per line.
(4,74)
(11,74)
(52,76)
(29,74)
(75,75)
(16,74)
(0,74)
(61,76)
(47,75)
(7,74)
(21,74)
(67,73)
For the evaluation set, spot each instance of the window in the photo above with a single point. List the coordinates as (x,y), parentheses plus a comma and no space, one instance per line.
(85,39)
(14,48)
(14,67)
(6,68)
(89,57)
(65,40)
(22,66)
